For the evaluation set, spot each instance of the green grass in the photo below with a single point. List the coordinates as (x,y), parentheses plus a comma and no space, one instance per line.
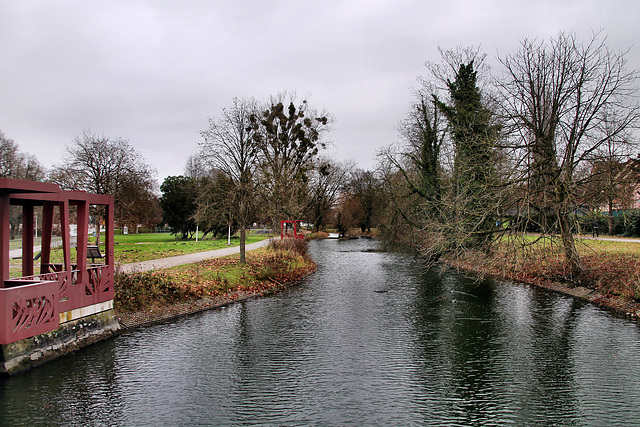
(265,269)
(620,248)
(143,247)
(150,237)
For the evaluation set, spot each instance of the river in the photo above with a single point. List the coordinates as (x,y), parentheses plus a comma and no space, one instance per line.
(432,350)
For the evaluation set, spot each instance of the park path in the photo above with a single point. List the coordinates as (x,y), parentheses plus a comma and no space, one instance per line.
(156,264)
(615,239)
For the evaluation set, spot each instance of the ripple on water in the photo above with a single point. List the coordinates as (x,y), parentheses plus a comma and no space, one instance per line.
(432,350)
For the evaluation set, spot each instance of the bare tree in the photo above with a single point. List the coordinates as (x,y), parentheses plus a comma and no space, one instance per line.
(609,177)
(230,147)
(289,137)
(101,165)
(17,165)
(556,98)
(138,203)
(326,180)
(443,179)
(196,167)
(215,205)
(419,159)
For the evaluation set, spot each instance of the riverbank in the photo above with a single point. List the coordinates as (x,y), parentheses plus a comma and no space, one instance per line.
(611,277)
(145,298)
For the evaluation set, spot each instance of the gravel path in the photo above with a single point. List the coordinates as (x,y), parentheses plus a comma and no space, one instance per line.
(156,264)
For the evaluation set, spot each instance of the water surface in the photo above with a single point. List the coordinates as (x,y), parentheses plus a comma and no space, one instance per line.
(432,350)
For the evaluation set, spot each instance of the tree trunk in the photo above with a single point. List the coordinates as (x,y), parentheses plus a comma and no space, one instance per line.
(97,228)
(570,251)
(243,259)
(610,219)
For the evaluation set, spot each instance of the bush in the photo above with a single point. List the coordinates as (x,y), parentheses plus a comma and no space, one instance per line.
(627,223)
(298,246)
(588,221)
(136,291)
(284,262)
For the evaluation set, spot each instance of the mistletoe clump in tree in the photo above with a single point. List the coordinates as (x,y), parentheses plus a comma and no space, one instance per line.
(288,140)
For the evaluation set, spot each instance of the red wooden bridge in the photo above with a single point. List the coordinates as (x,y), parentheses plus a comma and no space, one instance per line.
(48,294)
(291,228)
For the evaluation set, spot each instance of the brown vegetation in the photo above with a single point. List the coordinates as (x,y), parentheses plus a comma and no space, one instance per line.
(283,262)
(610,268)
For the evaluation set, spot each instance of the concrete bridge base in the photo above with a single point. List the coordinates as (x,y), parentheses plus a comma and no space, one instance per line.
(70,336)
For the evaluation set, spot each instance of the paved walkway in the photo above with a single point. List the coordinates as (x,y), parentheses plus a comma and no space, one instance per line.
(17,253)
(604,237)
(615,239)
(156,264)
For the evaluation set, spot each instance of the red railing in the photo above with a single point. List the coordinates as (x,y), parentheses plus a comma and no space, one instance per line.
(32,303)
(30,309)
(100,283)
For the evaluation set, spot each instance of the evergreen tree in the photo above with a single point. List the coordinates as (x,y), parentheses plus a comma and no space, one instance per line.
(474,174)
(178,201)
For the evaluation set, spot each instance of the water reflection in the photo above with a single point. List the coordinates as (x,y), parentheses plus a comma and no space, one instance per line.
(433,350)
(75,389)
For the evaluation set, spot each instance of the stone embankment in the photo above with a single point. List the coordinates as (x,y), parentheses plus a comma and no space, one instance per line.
(617,304)
(130,320)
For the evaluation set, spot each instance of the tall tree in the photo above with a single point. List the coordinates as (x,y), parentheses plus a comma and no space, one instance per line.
(197,167)
(611,178)
(412,172)
(359,202)
(288,137)
(230,147)
(557,97)
(439,182)
(138,203)
(17,165)
(326,180)
(215,205)
(178,201)
(364,186)
(100,165)
(423,133)
(474,173)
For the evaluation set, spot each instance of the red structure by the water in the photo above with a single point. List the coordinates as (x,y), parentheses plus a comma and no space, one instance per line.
(291,229)
(50,293)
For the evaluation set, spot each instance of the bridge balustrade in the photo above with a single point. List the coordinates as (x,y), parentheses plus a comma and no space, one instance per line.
(35,303)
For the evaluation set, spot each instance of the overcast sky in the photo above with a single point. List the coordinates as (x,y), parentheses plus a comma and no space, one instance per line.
(153,71)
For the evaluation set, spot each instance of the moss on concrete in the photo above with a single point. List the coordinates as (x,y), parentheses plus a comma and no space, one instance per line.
(70,336)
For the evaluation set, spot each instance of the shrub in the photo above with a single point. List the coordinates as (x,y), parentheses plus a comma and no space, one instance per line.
(284,261)
(298,246)
(588,221)
(627,223)
(136,291)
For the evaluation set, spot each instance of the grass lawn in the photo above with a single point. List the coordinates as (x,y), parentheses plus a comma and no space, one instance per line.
(631,247)
(612,267)
(143,247)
